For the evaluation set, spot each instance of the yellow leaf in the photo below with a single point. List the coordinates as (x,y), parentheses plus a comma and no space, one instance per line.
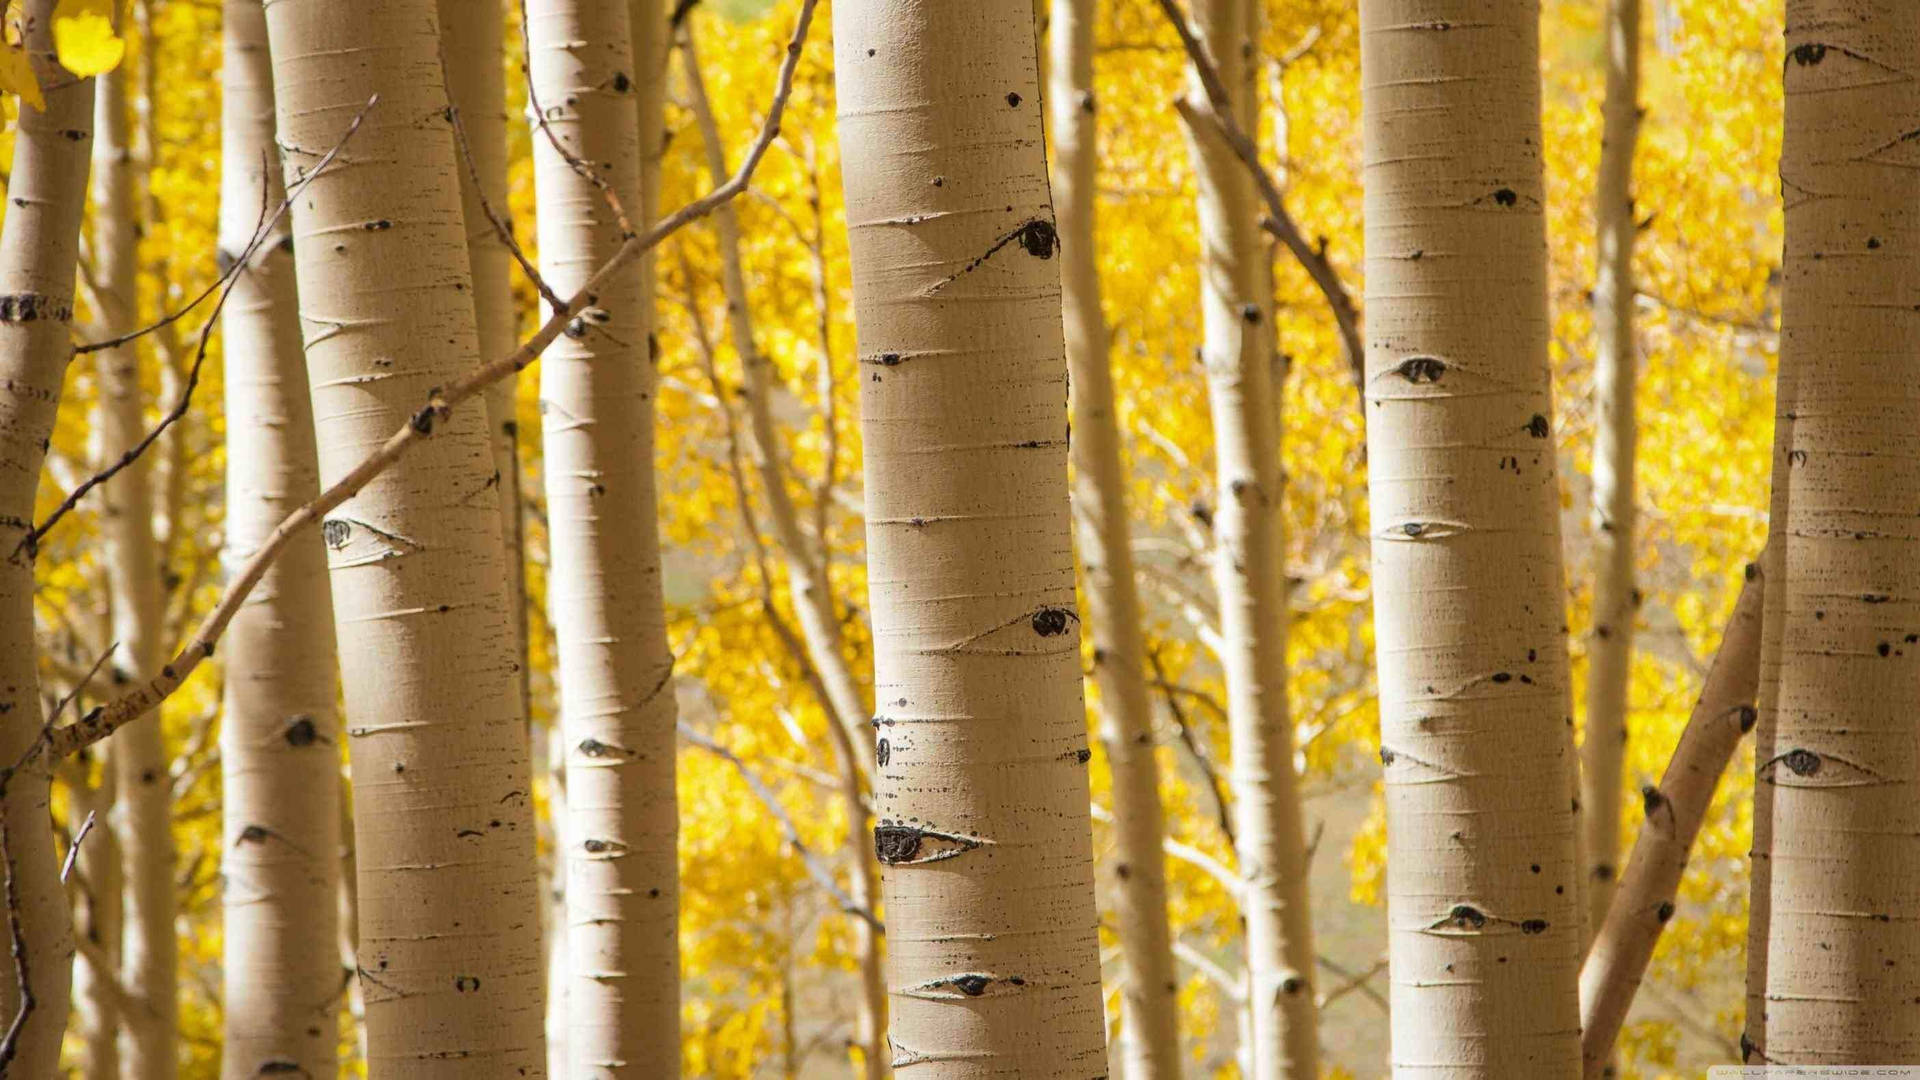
(16,76)
(83,36)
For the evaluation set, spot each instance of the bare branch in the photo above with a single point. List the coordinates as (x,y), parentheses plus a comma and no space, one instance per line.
(1217,111)
(1222,810)
(440,404)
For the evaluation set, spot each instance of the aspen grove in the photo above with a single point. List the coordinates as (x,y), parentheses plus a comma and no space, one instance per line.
(959,539)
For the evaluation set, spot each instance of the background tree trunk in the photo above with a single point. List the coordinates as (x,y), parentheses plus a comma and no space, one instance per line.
(597,385)
(142,818)
(1482,884)
(1250,568)
(981,790)
(46,197)
(1150,1035)
(1843,955)
(449,948)
(1615,373)
(279,737)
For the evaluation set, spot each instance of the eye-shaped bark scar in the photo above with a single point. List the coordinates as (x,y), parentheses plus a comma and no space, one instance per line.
(1805,768)
(1466,920)
(899,844)
(969,984)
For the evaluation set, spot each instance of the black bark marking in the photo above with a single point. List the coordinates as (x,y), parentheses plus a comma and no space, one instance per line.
(1664,912)
(253,834)
(1464,917)
(1801,761)
(1506,197)
(1013,100)
(603,847)
(1749,716)
(1050,622)
(621,84)
(379,225)
(301,731)
(1651,799)
(974,985)
(466,984)
(594,748)
(1386,756)
(29,307)
(1083,755)
(1538,427)
(1422,369)
(1809,55)
(894,844)
(1534,926)
(1039,239)
(883,753)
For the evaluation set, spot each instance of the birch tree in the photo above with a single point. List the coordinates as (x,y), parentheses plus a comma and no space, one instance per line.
(597,388)
(279,735)
(39,248)
(1150,1037)
(449,945)
(1236,290)
(1843,960)
(1482,886)
(1615,374)
(142,821)
(981,788)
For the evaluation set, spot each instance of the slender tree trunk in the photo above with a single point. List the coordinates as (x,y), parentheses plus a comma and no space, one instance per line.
(981,790)
(1482,883)
(616,671)
(1623,944)
(98,924)
(1150,1048)
(807,582)
(1615,364)
(143,801)
(46,197)
(472,47)
(449,949)
(279,748)
(1250,570)
(1843,955)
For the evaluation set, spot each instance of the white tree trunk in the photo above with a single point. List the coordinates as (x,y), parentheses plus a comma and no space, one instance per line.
(1843,953)
(279,737)
(597,386)
(449,946)
(1482,883)
(981,790)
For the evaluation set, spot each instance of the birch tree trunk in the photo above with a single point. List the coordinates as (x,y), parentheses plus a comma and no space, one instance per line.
(472,46)
(1843,957)
(808,584)
(1137,891)
(1482,884)
(142,817)
(1250,569)
(981,789)
(449,945)
(279,748)
(1615,371)
(39,248)
(597,385)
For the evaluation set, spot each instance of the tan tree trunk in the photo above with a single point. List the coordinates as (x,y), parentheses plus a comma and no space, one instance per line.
(1482,884)
(1250,570)
(1623,943)
(981,790)
(472,47)
(99,925)
(810,589)
(279,739)
(449,947)
(46,197)
(1843,958)
(1615,370)
(597,385)
(1137,891)
(142,816)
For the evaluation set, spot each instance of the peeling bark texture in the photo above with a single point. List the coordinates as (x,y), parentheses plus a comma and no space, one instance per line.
(449,944)
(142,818)
(1843,956)
(983,826)
(279,737)
(1250,566)
(1476,712)
(1137,888)
(1623,943)
(472,46)
(46,197)
(1615,364)
(597,390)
(808,585)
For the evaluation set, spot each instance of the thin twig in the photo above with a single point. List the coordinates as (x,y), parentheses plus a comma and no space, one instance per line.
(1218,111)
(30,543)
(816,869)
(73,849)
(440,404)
(1222,809)
(501,228)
